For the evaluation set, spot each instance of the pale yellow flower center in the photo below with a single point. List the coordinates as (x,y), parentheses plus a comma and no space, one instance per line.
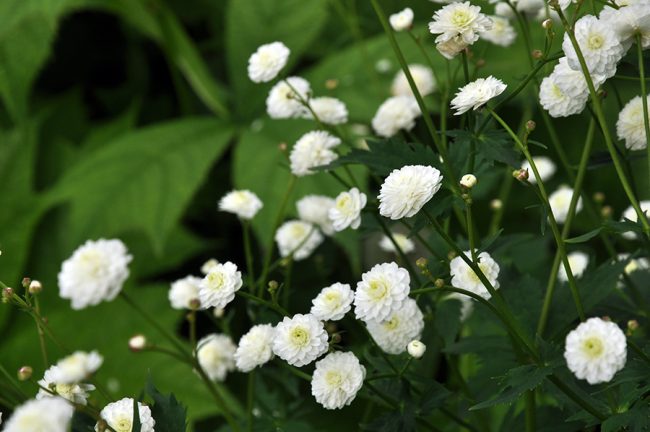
(123,425)
(557,92)
(332,298)
(298,231)
(299,336)
(216,280)
(342,202)
(333,378)
(460,18)
(392,323)
(377,289)
(64,390)
(593,347)
(595,41)
(92,261)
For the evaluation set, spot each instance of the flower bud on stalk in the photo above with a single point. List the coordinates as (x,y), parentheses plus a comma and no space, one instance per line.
(35,287)
(25,373)
(416,349)
(468,181)
(137,343)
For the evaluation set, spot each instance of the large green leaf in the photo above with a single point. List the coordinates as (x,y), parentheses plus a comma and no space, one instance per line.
(141,180)
(294,22)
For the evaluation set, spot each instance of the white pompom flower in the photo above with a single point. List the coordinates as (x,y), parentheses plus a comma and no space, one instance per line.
(94,273)
(286,98)
(476,94)
(265,63)
(629,21)
(394,333)
(328,110)
(458,22)
(599,45)
(406,190)
(76,367)
(394,114)
(119,416)
(630,214)
(74,392)
(337,379)
(300,340)
(462,275)
(578,262)
(297,239)
(404,243)
(595,350)
(502,32)
(184,291)
(382,290)
(545,166)
(242,203)
(422,76)
(219,286)
(216,355)
(630,126)
(402,20)
(313,149)
(255,347)
(346,211)
(333,302)
(47,414)
(315,210)
(560,201)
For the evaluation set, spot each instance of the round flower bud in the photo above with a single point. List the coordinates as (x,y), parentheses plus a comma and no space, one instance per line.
(26,281)
(402,20)
(7,294)
(468,181)
(496,204)
(25,373)
(416,349)
(35,287)
(537,54)
(547,24)
(137,343)
(530,125)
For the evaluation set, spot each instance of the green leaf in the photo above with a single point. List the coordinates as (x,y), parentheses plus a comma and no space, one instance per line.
(585,237)
(169,414)
(434,396)
(515,383)
(137,426)
(491,145)
(141,180)
(296,23)
(635,420)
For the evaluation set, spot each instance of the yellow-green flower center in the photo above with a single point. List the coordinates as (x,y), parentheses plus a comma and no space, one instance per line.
(377,289)
(123,425)
(299,336)
(333,378)
(595,41)
(392,323)
(342,201)
(593,347)
(460,18)
(216,279)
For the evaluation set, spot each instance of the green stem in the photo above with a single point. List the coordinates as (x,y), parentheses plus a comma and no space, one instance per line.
(576,398)
(425,54)
(249,255)
(250,398)
(470,230)
(41,333)
(644,96)
(277,308)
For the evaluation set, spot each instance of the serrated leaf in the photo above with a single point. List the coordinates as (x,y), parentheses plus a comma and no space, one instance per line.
(447,320)
(169,414)
(636,419)
(515,383)
(141,180)
(491,145)
(434,396)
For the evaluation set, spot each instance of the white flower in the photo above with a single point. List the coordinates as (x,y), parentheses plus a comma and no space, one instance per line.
(402,20)
(265,63)
(404,243)
(476,94)
(41,415)
(119,416)
(209,265)
(333,302)
(502,9)
(462,275)
(468,181)
(337,379)
(402,326)
(565,91)
(297,238)
(422,76)
(184,291)
(300,340)
(406,190)
(243,203)
(216,355)
(346,211)
(596,350)
(315,209)
(74,392)
(395,113)
(578,262)
(628,21)
(451,48)
(311,150)
(599,44)
(560,201)
(94,273)
(630,126)
(630,214)
(284,99)
(502,32)
(219,286)
(328,110)
(381,291)
(76,367)
(255,347)
(545,166)
(416,349)
(460,22)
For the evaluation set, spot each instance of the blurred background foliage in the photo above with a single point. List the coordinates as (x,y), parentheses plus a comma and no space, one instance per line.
(130,118)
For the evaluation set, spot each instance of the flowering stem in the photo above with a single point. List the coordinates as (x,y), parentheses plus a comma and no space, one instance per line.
(470,229)
(191,317)
(603,125)
(249,254)
(297,372)
(551,218)
(287,280)
(279,309)
(425,54)
(582,169)
(250,398)
(644,95)
(41,333)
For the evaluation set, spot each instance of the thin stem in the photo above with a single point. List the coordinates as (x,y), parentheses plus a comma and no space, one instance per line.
(576,398)
(41,333)
(470,230)
(191,317)
(644,96)
(399,250)
(249,254)
(250,398)
(277,308)
(425,54)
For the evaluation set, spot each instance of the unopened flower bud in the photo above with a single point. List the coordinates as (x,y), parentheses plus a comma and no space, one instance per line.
(7,294)
(547,24)
(283,147)
(25,373)
(273,286)
(35,287)
(421,263)
(218,312)
(468,181)
(602,93)
(607,318)
(209,265)
(331,84)
(466,197)
(537,54)
(530,125)
(137,343)
(632,325)
(195,304)
(336,338)
(416,349)
(496,204)
(521,174)
(606,211)
(439,283)
(451,255)
(26,281)
(599,197)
